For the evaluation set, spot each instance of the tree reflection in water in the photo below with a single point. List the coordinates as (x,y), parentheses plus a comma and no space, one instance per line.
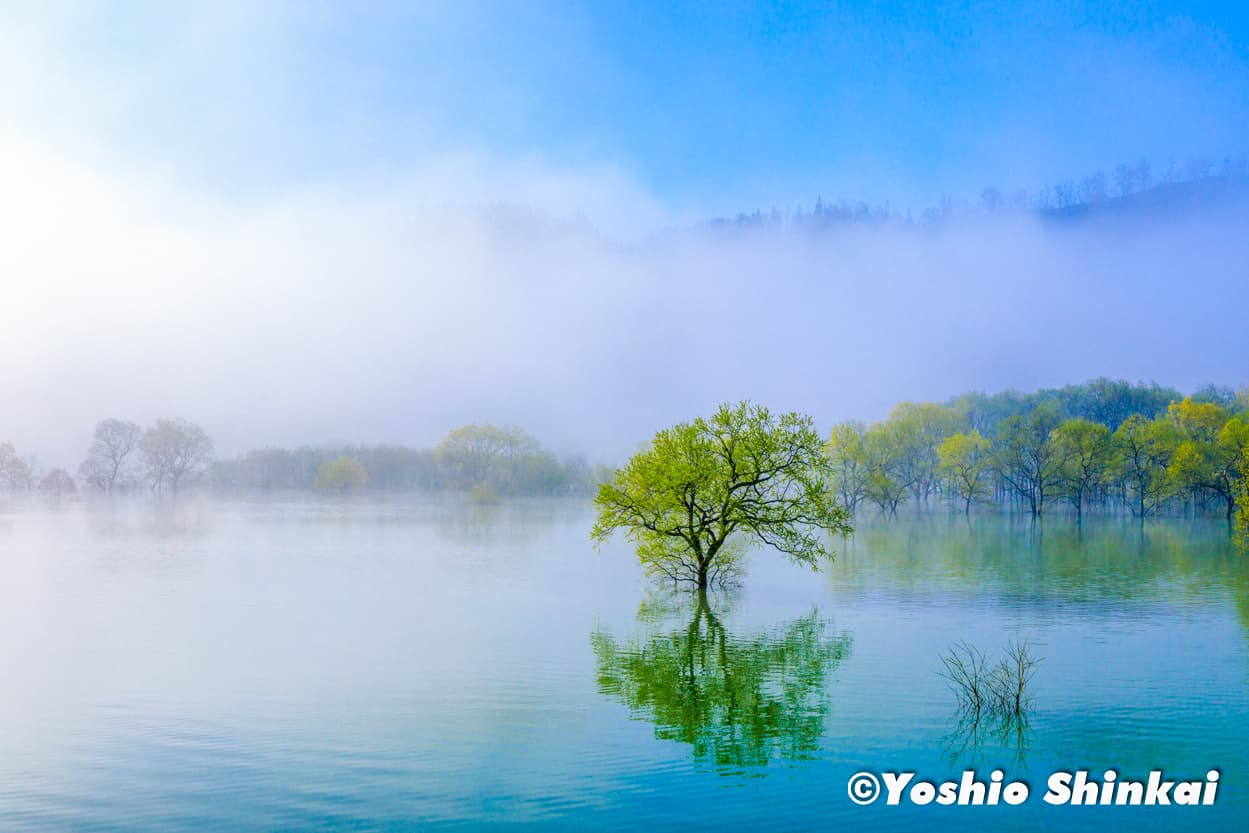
(740,700)
(977,736)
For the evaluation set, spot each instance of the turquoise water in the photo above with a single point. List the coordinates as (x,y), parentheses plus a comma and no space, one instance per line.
(424,664)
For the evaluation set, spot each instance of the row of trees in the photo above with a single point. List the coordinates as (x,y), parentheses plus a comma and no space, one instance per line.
(482,459)
(121,456)
(702,488)
(1104,446)
(1196,177)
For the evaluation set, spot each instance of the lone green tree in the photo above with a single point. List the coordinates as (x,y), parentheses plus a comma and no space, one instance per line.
(743,473)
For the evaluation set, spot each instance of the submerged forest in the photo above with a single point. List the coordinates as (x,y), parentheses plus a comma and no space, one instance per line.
(1102,447)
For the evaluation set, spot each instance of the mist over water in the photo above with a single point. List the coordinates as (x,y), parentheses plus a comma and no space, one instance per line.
(327,316)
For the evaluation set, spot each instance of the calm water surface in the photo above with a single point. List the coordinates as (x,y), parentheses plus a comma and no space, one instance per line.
(266,665)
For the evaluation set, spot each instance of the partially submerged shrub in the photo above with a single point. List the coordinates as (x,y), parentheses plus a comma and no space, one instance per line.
(1000,689)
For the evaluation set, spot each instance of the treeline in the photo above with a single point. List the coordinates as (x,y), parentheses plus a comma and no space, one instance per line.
(1104,446)
(122,455)
(20,473)
(483,460)
(1127,185)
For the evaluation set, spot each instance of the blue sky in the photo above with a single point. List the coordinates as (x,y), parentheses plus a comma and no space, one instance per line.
(709,106)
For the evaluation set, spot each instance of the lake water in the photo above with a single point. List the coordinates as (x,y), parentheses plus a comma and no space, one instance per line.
(309,664)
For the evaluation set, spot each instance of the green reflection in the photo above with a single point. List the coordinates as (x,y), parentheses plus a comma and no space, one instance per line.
(740,700)
(1101,563)
(1098,561)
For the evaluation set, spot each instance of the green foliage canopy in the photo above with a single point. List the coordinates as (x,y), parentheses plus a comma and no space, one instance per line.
(743,472)
(1083,450)
(964,464)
